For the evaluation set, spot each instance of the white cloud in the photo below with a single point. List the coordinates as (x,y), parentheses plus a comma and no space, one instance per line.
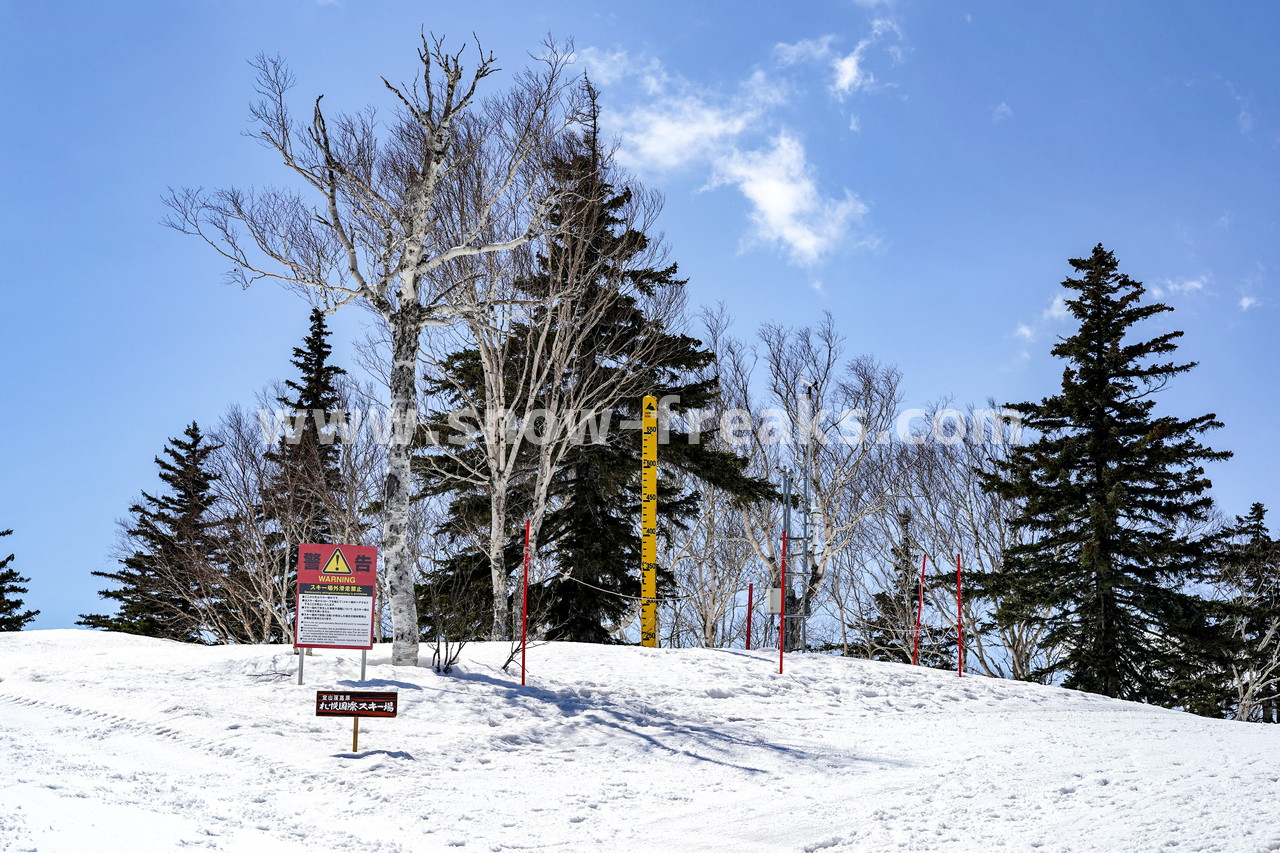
(739,140)
(1001,112)
(788,210)
(1181,287)
(1057,310)
(1025,332)
(676,131)
(1247,302)
(807,50)
(610,67)
(1244,118)
(679,125)
(850,75)
(604,67)
(849,71)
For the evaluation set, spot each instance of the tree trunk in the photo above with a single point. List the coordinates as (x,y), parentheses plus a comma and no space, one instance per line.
(497,561)
(395,544)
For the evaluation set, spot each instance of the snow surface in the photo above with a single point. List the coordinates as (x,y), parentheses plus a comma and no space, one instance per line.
(117,743)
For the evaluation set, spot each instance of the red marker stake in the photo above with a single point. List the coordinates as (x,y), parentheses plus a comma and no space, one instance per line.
(751,603)
(915,649)
(959,625)
(524,604)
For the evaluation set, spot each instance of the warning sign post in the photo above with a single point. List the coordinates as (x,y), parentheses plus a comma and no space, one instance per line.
(336,586)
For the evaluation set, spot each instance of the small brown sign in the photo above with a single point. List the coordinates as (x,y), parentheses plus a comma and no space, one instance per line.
(356,703)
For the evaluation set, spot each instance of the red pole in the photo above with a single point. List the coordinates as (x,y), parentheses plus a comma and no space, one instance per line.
(782,617)
(751,603)
(915,649)
(524,603)
(959,625)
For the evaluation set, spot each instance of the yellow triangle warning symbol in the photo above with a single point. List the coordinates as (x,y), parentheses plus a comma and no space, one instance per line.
(337,564)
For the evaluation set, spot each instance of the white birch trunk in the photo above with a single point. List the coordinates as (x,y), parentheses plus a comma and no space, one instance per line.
(497,563)
(396,559)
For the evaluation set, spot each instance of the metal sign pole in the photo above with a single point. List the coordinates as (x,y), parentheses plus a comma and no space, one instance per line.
(301,658)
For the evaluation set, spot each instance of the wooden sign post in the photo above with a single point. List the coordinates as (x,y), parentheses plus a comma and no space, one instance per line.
(356,704)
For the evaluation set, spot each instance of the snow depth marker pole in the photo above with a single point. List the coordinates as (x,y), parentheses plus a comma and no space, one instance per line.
(751,593)
(915,649)
(959,625)
(524,604)
(649,522)
(782,616)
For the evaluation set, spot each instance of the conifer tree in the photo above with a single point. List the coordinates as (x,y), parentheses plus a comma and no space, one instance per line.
(303,489)
(169,580)
(12,616)
(1108,491)
(1249,570)
(591,530)
(307,479)
(889,633)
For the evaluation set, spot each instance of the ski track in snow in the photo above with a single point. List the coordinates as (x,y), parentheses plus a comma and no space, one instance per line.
(110,742)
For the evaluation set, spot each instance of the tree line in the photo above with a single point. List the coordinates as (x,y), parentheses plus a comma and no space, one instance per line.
(515,273)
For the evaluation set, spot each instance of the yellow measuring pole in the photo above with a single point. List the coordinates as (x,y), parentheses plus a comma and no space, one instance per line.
(649,523)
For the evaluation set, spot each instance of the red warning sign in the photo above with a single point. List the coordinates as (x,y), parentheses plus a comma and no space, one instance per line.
(336,586)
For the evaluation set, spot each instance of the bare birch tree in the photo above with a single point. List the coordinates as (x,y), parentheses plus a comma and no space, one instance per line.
(956,515)
(827,418)
(397,209)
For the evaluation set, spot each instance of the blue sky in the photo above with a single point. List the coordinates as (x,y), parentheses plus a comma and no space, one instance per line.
(920,170)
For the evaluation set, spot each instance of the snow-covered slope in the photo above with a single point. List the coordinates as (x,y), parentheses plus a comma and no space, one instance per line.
(117,743)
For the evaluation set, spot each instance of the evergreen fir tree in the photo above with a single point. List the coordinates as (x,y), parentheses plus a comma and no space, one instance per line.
(1107,491)
(591,532)
(1250,559)
(171,574)
(890,634)
(1249,569)
(12,616)
(307,477)
(305,485)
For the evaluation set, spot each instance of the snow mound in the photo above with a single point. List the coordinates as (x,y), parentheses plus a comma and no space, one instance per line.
(110,742)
